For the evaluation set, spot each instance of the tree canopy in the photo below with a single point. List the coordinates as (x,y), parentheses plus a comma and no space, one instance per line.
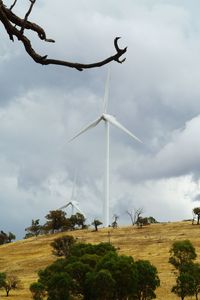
(97,272)
(17,27)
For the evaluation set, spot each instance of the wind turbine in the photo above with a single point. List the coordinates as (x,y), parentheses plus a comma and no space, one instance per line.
(107,119)
(73,203)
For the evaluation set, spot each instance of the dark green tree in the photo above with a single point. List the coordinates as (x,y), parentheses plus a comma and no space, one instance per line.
(96,223)
(147,280)
(193,270)
(37,290)
(123,271)
(196,211)
(58,286)
(77,220)
(2,279)
(77,270)
(100,286)
(181,253)
(185,285)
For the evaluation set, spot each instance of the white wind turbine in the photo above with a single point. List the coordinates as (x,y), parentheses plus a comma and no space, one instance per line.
(73,203)
(107,119)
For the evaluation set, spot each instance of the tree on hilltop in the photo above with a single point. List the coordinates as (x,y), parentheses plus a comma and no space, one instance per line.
(135,214)
(56,221)
(96,223)
(6,237)
(34,229)
(196,211)
(17,28)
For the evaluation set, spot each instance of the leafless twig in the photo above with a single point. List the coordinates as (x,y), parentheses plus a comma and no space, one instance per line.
(16,26)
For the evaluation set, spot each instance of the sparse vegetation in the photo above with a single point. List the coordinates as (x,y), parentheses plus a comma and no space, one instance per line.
(56,222)
(6,237)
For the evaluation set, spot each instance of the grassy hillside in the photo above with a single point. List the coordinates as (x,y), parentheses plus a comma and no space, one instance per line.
(24,258)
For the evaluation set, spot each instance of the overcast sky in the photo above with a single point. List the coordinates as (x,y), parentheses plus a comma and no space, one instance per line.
(155,94)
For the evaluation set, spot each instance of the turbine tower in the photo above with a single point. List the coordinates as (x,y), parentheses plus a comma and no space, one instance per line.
(107,119)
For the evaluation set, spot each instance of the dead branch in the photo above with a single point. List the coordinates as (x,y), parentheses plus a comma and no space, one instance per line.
(16,26)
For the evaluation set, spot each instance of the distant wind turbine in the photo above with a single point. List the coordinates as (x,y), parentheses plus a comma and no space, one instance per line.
(107,118)
(73,203)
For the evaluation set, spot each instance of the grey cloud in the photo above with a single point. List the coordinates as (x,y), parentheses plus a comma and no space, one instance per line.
(155,94)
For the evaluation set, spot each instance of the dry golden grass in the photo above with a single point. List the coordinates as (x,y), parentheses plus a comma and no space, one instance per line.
(24,258)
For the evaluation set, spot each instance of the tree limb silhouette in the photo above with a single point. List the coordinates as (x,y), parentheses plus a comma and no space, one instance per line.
(16,27)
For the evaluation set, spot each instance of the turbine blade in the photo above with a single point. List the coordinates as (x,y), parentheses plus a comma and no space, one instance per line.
(91,125)
(65,206)
(113,121)
(106,92)
(78,209)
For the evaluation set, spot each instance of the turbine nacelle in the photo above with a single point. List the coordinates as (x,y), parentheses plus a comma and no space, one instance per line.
(106,118)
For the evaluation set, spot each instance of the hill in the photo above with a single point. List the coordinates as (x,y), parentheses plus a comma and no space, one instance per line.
(24,258)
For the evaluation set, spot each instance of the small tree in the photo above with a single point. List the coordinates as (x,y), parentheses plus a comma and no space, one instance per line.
(11,236)
(196,211)
(6,238)
(11,282)
(34,229)
(184,285)
(37,290)
(134,215)
(77,220)
(182,253)
(62,246)
(114,223)
(96,223)
(147,280)
(56,220)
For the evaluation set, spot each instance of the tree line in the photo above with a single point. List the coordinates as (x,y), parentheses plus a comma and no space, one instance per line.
(57,221)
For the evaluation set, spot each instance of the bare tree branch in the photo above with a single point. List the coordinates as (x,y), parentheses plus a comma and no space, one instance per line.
(27,15)
(16,26)
(13,4)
